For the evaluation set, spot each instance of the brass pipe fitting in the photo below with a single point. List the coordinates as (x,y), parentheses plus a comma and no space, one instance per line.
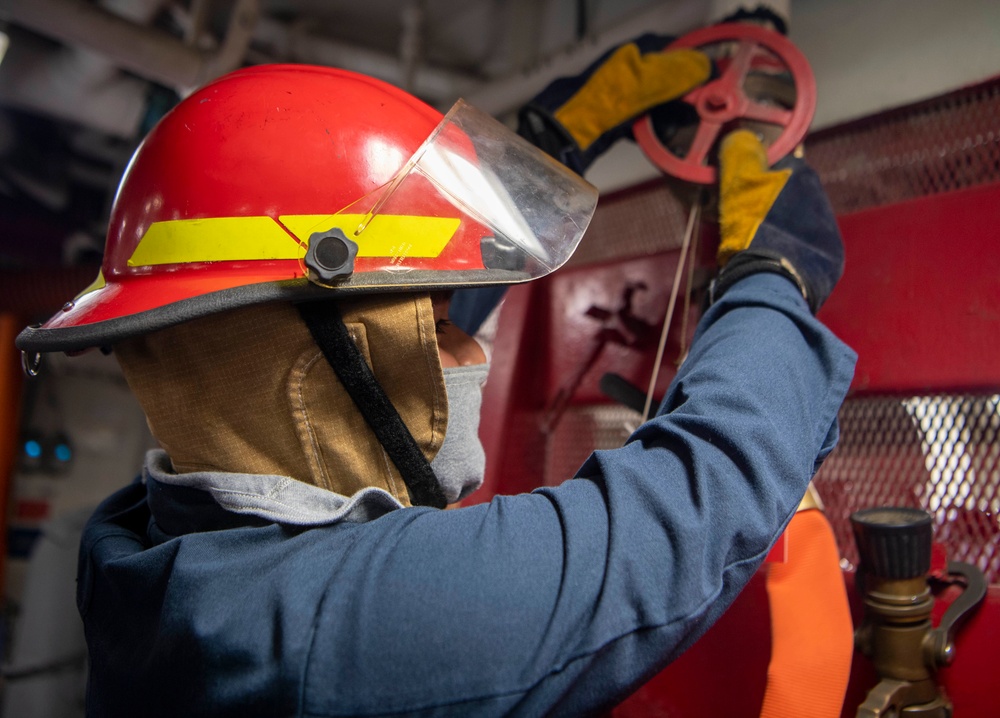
(896,632)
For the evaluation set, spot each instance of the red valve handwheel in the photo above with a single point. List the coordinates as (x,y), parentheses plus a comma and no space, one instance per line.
(724,101)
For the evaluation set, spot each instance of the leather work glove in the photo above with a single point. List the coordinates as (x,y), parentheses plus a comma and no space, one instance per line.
(575,119)
(777,220)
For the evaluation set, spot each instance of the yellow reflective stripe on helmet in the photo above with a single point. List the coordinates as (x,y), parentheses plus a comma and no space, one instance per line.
(221,239)
(387,235)
(93,286)
(218,239)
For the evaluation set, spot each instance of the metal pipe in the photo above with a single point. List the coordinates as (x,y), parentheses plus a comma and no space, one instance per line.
(719,9)
(503,96)
(77,84)
(145,51)
(72,84)
(294,42)
(506,95)
(411,42)
(239,32)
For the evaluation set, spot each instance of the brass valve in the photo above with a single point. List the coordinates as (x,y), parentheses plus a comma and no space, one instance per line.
(896,634)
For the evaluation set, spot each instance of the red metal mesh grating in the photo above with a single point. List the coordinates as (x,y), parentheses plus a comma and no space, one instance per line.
(948,143)
(951,142)
(583,429)
(633,223)
(939,453)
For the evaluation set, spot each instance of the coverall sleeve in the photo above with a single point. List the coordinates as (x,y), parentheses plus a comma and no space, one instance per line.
(564,600)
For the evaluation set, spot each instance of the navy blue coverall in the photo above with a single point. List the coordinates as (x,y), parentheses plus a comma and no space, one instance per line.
(233,595)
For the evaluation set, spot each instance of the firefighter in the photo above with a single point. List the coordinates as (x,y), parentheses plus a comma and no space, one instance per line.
(275,287)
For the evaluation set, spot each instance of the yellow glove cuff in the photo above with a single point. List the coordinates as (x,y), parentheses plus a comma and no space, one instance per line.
(747,191)
(626,86)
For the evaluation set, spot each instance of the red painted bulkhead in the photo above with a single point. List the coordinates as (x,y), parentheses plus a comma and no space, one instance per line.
(920,302)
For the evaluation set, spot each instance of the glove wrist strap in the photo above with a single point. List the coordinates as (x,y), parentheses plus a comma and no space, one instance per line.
(537,125)
(749,262)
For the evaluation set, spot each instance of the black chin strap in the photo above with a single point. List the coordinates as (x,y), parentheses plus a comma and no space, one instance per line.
(327,328)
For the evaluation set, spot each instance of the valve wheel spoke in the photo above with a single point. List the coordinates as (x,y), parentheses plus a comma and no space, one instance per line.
(739,64)
(723,101)
(704,139)
(770,114)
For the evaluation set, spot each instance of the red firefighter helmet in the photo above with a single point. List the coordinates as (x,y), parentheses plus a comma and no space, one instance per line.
(287,182)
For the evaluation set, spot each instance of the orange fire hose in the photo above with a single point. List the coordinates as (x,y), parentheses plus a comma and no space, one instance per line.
(812,639)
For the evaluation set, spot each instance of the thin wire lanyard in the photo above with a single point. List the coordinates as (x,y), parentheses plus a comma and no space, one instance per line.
(693,216)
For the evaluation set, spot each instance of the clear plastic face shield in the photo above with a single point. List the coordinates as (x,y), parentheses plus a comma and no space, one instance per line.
(475,205)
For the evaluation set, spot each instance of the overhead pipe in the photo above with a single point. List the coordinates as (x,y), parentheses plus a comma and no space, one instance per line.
(77,84)
(497,97)
(504,96)
(411,42)
(70,84)
(719,9)
(521,35)
(145,51)
(294,42)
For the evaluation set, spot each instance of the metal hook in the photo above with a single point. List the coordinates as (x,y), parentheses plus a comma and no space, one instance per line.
(31,365)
